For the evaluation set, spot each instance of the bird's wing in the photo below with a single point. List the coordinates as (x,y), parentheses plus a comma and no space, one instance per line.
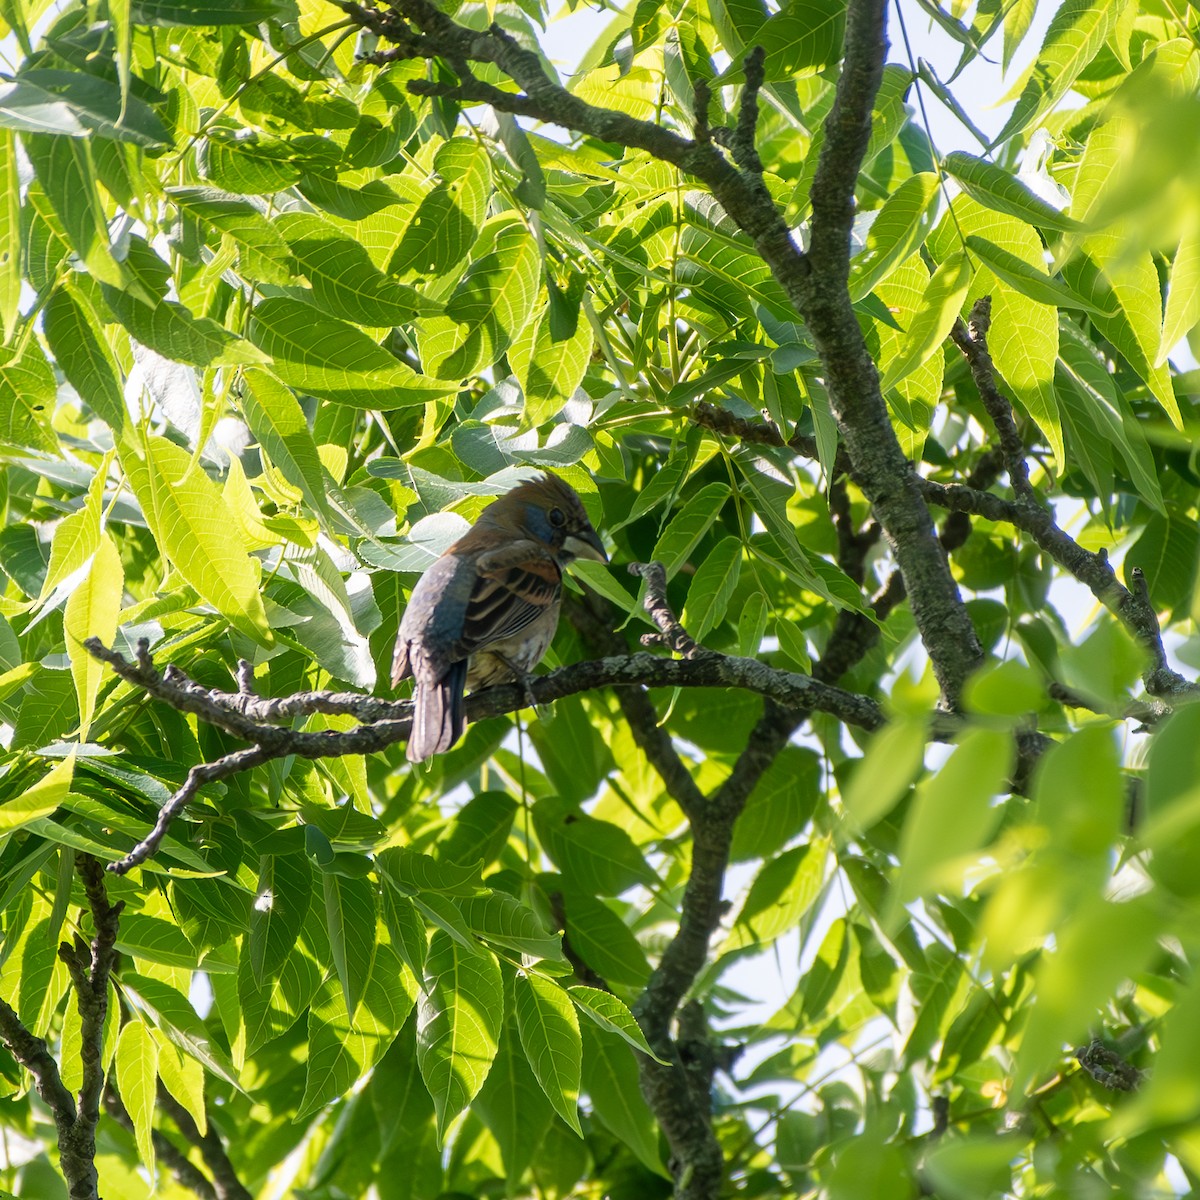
(514,585)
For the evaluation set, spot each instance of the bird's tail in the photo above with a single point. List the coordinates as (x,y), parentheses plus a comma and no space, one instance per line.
(438,714)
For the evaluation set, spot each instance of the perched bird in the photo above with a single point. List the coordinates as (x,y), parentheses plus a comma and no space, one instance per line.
(486,611)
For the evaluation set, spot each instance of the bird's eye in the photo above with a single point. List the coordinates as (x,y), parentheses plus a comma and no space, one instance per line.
(557,517)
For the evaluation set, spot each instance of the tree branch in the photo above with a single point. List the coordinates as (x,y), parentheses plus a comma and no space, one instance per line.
(823,299)
(682,1107)
(89,965)
(225,1181)
(971,338)
(1132,606)
(703,669)
(34,1055)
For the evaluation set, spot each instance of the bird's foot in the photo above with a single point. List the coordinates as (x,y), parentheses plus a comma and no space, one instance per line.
(523,680)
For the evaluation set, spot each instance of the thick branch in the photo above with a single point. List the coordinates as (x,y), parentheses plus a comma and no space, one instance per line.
(93,1004)
(34,1055)
(880,467)
(673,1092)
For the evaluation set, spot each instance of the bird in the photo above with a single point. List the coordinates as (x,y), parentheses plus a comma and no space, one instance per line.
(486,611)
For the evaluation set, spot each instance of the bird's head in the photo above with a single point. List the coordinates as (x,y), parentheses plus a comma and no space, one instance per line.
(549,511)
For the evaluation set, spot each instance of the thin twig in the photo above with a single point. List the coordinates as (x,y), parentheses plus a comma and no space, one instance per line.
(971,338)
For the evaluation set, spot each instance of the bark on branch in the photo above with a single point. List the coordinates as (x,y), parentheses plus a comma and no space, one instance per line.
(385,723)
(89,965)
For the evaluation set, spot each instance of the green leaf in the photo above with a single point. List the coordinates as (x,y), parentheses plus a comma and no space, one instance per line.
(752,624)
(1026,278)
(10,235)
(411,872)
(137,1078)
(204,12)
(458,1025)
(63,168)
(183,1077)
(1006,689)
(610,1013)
(931,323)
(350,922)
(406,930)
(319,354)
(166,327)
(1171,1096)
(270,1007)
(604,941)
(596,856)
(1166,552)
(1183,297)
(154,940)
(549,371)
(737,23)
(998,189)
(281,903)
(342,1051)
(779,807)
(769,501)
(712,587)
(81,352)
(480,830)
(91,611)
(98,106)
(802,36)
(952,816)
(27,394)
(504,921)
(277,421)
(912,401)
(514,1107)
(1074,37)
(782,892)
(1099,946)
(344,280)
(686,528)
(550,1036)
(489,306)
(446,222)
(257,165)
(610,1079)
(40,800)
(898,229)
(195,530)
(1083,372)
(1134,328)
(172,1012)
(262,251)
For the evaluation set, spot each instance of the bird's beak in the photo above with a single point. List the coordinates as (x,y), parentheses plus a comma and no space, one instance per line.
(586,545)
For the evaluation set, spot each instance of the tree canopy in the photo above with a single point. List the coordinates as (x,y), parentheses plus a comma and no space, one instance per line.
(890,722)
